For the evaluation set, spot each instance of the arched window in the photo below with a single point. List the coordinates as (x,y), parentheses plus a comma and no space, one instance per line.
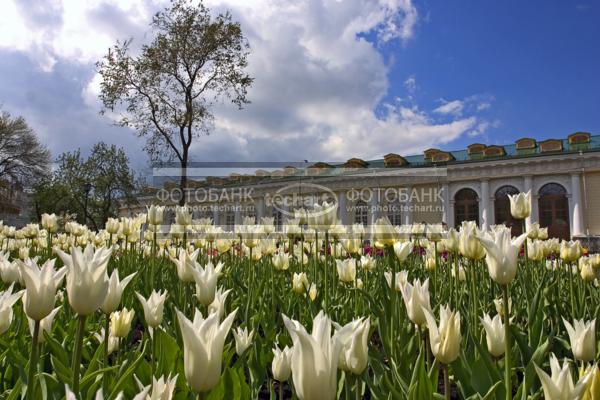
(394,213)
(466,206)
(230,219)
(553,208)
(502,209)
(361,213)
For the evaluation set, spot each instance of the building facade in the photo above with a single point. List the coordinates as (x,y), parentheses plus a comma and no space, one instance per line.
(562,175)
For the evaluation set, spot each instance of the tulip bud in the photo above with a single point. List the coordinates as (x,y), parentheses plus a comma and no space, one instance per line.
(7,300)
(403,250)
(206,282)
(153,307)
(520,205)
(355,353)
(115,291)
(582,338)
(41,285)
(560,384)
(445,338)
(243,340)
(120,322)
(281,365)
(346,270)
(494,331)
(401,279)
(416,300)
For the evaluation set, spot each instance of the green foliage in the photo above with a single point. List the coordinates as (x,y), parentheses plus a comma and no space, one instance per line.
(64,192)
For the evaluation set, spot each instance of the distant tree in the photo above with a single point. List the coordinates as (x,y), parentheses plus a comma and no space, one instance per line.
(22,156)
(167,91)
(103,181)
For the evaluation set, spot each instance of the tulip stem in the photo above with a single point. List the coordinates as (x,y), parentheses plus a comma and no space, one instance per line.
(106,337)
(446,382)
(77,354)
(33,360)
(507,381)
(280,390)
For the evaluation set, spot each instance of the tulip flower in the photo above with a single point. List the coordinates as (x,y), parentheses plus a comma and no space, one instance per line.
(299,282)
(502,254)
(218,304)
(403,250)
(112,342)
(183,216)
(498,304)
(570,250)
(41,285)
(543,233)
(416,300)
(312,292)
(281,261)
(401,279)
(315,357)
(383,232)
(45,325)
(7,300)
(355,353)
(281,365)
(243,340)
(112,226)
(346,270)
(434,232)
(450,242)
(87,280)
(445,338)
(468,245)
(559,385)
(143,395)
(186,264)
(162,388)
(587,271)
(352,245)
(535,250)
(520,205)
(153,307)
(50,222)
(368,263)
(494,331)
(9,271)
(203,341)
(582,338)
(120,322)
(115,291)
(206,282)
(155,214)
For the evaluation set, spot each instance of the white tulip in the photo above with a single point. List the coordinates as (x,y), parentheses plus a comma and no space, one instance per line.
(494,331)
(7,300)
(559,385)
(355,353)
(203,341)
(502,254)
(115,291)
(346,270)
(243,340)
(315,357)
(41,285)
(281,365)
(87,279)
(206,282)
(186,264)
(153,307)
(520,205)
(417,302)
(45,324)
(583,339)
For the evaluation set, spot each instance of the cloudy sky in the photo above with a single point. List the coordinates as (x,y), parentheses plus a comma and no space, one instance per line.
(333,78)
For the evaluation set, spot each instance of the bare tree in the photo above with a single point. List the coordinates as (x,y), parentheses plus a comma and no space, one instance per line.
(22,156)
(166,93)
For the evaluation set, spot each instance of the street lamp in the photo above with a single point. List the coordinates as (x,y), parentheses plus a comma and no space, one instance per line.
(87,188)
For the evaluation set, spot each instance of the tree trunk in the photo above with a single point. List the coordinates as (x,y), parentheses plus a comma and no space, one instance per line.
(183,178)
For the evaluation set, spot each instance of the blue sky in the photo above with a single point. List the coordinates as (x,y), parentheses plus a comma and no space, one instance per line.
(537,61)
(333,79)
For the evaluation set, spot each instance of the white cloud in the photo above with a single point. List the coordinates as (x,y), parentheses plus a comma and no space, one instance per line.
(454,107)
(318,81)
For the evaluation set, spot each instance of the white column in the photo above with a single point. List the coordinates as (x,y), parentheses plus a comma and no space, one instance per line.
(373,206)
(446,205)
(484,204)
(407,217)
(215,213)
(260,209)
(238,213)
(575,211)
(342,207)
